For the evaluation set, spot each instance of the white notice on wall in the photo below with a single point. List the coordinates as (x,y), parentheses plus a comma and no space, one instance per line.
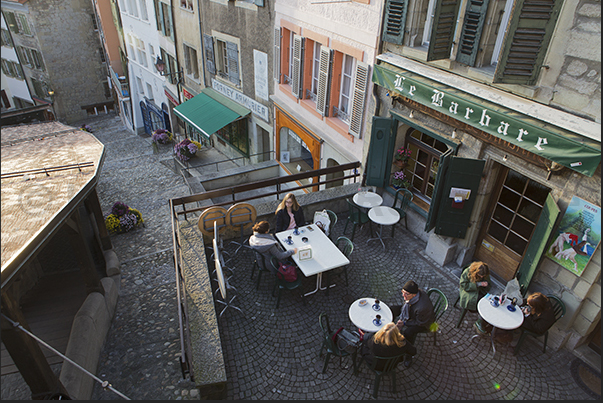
(260,61)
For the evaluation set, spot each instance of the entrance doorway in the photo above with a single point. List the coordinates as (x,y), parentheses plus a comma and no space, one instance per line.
(512,216)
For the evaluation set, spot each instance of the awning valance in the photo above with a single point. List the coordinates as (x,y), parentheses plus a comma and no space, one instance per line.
(553,143)
(210,111)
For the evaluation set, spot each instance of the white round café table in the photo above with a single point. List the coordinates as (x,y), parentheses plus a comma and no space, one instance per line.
(363,316)
(383,215)
(499,317)
(367,199)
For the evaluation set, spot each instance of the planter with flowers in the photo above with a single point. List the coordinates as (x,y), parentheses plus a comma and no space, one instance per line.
(399,180)
(86,128)
(161,136)
(401,157)
(123,218)
(185,150)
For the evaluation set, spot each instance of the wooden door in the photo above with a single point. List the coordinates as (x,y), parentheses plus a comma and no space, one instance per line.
(512,215)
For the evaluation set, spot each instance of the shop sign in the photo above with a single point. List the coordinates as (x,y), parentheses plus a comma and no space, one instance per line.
(187,94)
(578,236)
(255,107)
(507,124)
(171,98)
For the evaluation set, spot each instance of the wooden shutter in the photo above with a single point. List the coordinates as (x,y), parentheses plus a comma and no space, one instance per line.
(526,42)
(537,244)
(259,3)
(210,61)
(296,84)
(358,98)
(11,20)
(471,32)
(276,68)
(438,189)
(232,53)
(323,80)
(442,31)
(379,159)
(395,21)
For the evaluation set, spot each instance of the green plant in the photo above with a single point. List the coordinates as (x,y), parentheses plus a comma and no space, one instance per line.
(402,154)
(399,180)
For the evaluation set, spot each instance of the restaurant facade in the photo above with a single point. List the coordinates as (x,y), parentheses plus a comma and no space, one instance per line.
(497,160)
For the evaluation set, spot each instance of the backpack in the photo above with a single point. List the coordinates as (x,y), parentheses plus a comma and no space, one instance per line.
(286,272)
(322,221)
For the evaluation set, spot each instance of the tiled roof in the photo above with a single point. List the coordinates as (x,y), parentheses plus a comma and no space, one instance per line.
(31,202)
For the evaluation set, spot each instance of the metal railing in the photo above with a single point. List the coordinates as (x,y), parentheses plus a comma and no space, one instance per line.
(188,166)
(178,209)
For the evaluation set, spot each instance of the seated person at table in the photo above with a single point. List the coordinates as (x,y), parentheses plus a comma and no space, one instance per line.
(289,214)
(416,315)
(265,243)
(473,285)
(387,342)
(539,312)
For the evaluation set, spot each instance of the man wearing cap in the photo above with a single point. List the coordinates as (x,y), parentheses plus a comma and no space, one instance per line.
(416,315)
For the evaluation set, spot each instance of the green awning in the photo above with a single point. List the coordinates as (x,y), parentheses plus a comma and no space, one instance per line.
(210,111)
(567,148)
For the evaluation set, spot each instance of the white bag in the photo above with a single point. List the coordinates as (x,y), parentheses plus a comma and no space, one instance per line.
(322,221)
(512,290)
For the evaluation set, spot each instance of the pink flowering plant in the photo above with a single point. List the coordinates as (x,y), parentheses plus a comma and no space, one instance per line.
(123,218)
(185,150)
(400,180)
(402,154)
(161,136)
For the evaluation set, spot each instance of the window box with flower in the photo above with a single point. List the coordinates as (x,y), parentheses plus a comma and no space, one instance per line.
(402,156)
(123,218)
(186,149)
(399,180)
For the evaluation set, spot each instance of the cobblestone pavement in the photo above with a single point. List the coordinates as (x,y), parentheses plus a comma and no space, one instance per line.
(272,353)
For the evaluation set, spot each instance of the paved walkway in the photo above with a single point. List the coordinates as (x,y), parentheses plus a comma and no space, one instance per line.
(272,354)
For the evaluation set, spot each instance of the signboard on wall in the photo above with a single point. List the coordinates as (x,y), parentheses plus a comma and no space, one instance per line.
(578,236)
(255,107)
(260,71)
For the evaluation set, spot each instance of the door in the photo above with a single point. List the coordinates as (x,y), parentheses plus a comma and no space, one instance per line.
(512,217)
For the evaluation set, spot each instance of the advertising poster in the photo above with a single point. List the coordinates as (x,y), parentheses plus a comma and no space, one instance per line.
(578,236)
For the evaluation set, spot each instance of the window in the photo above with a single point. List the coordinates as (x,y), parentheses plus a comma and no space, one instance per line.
(347,72)
(424,161)
(163,18)
(142,54)
(186,4)
(133,8)
(40,89)
(170,67)
(513,35)
(131,52)
(150,94)
(101,53)
(144,15)
(94,25)
(315,70)
(30,57)
(236,135)
(12,69)
(190,62)
(140,86)
(226,61)
(17,23)
(6,39)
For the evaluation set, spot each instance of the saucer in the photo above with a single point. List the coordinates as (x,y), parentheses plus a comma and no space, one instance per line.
(362,302)
(511,308)
(377,322)
(377,307)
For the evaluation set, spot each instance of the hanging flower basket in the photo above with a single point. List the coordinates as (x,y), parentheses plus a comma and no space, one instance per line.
(123,218)
(185,150)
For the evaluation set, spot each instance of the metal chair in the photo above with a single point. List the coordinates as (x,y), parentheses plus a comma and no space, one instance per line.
(329,345)
(259,263)
(559,309)
(356,217)
(346,247)
(241,215)
(282,284)
(389,368)
(333,219)
(440,305)
(404,197)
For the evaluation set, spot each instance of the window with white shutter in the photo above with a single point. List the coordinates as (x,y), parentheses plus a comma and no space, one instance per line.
(276,68)
(323,80)
(359,96)
(296,76)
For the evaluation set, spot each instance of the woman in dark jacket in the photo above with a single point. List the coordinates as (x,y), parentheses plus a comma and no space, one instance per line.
(539,312)
(289,214)
(387,342)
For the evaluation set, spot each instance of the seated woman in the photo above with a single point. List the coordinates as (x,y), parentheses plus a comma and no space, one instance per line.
(539,314)
(289,214)
(474,284)
(387,342)
(265,243)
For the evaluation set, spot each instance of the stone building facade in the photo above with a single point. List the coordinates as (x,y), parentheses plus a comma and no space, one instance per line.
(480,121)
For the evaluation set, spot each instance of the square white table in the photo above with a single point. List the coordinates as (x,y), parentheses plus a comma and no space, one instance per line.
(325,255)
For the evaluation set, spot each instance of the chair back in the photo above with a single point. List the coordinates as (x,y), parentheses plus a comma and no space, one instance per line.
(332,218)
(439,301)
(558,307)
(323,321)
(390,363)
(354,210)
(404,196)
(345,246)
(259,258)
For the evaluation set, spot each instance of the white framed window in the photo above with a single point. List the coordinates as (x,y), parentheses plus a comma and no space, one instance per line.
(131,52)
(150,94)
(428,22)
(142,54)
(144,14)
(139,85)
(191,65)
(290,67)
(347,78)
(133,8)
(315,67)
(227,61)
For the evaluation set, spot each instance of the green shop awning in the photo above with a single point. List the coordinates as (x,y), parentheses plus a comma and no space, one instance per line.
(210,111)
(565,147)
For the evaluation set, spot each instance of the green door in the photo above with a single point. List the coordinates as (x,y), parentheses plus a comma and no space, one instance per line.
(537,244)
(379,160)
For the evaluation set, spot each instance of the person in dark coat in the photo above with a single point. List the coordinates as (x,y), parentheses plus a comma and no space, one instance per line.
(416,315)
(387,342)
(473,285)
(539,314)
(289,214)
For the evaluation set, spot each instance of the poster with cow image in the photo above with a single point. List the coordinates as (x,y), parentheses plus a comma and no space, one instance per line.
(578,236)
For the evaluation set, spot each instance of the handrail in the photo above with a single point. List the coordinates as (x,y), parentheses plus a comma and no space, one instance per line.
(188,166)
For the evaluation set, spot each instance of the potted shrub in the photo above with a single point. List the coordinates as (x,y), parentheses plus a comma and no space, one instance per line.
(401,157)
(399,180)
(123,218)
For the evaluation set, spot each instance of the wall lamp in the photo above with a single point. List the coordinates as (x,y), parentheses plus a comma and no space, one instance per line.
(160,66)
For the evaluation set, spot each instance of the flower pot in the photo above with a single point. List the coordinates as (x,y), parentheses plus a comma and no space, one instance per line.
(401,164)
